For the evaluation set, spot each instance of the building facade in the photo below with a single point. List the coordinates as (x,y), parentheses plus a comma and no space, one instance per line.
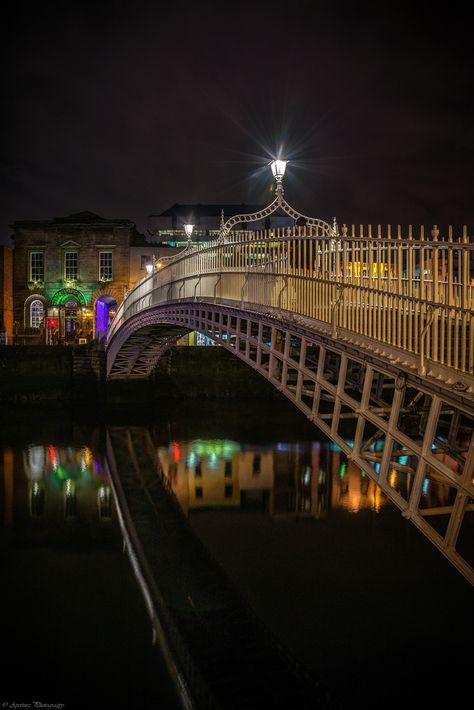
(71,273)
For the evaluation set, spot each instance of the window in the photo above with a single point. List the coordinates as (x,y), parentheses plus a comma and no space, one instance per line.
(36,314)
(228,491)
(70,265)
(105,266)
(36,266)
(228,469)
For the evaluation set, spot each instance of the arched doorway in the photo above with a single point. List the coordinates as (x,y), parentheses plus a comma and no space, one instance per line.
(105,308)
(69,321)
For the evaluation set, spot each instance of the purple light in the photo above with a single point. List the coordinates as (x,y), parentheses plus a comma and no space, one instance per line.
(101,318)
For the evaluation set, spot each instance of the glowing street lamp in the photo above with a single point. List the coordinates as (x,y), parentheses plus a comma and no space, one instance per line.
(149,268)
(278,169)
(188,228)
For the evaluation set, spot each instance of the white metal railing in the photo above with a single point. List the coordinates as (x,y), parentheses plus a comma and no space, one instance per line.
(415,294)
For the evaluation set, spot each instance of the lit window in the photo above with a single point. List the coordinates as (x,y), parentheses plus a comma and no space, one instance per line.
(105,266)
(36,266)
(70,266)
(36,314)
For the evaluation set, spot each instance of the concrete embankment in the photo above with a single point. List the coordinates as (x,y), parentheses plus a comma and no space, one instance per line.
(77,374)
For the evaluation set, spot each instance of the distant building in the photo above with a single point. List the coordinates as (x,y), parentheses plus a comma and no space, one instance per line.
(71,273)
(168,227)
(6,294)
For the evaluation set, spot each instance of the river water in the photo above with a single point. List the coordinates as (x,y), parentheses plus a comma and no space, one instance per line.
(353,590)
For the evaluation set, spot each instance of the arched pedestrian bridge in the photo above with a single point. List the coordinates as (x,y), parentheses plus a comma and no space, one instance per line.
(369,334)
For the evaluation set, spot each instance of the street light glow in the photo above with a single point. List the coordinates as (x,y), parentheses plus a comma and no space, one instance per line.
(188,228)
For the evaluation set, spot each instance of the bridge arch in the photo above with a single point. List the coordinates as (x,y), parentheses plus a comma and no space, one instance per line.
(351,394)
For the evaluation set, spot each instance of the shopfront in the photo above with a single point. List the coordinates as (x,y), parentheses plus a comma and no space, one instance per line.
(69,320)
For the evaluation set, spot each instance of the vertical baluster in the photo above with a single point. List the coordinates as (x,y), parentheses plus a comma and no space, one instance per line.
(417,323)
(359,318)
(370,283)
(450,297)
(344,276)
(464,301)
(390,267)
(435,280)
(397,320)
(458,300)
(378,298)
(408,336)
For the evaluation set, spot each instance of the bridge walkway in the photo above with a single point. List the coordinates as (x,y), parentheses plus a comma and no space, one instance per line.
(226,658)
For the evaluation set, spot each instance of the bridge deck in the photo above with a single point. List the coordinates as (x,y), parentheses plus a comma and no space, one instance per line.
(227,657)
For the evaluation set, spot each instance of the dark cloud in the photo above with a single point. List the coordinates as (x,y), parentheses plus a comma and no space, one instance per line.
(125,110)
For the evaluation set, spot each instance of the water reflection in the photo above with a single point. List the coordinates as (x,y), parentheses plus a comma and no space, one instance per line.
(302,479)
(56,483)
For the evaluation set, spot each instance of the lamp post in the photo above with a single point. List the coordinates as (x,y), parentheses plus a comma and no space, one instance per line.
(278,168)
(188,228)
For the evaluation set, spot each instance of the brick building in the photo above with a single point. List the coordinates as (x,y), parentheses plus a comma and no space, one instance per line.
(71,273)
(6,294)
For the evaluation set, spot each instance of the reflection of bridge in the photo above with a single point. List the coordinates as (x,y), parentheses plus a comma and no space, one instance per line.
(368,334)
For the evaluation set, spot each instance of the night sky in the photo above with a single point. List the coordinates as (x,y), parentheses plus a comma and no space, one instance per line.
(126,108)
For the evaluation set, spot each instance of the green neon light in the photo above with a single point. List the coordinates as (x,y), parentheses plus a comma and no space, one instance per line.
(64,295)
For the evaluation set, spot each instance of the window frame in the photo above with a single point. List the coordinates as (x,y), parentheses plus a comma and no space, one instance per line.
(40,322)
(31,255)
(67,254)
(103,267)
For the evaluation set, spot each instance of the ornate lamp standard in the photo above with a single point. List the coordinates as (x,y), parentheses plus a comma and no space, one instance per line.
(278,167)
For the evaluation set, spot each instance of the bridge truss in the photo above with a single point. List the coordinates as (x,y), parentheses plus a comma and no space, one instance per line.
(370,337)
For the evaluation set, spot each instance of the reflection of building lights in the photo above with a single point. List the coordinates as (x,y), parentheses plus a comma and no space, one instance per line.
(34,463)
(392,478)
(53,457)
(426,484)
(37,499)
(104,502)
(213,461)
(176,451)
(307,476)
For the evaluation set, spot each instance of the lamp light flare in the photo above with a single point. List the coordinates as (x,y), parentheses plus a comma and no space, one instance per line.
(149,268)
(188,228)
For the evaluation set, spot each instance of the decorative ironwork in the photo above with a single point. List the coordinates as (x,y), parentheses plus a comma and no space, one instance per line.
(278,203)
